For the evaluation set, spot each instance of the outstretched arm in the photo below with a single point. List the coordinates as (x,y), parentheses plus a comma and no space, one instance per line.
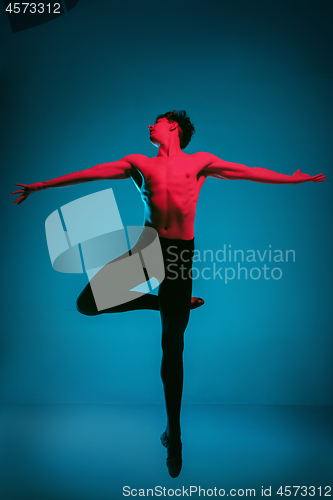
(226,170)
(120,169)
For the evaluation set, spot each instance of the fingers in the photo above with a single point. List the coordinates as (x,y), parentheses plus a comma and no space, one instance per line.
(318,178)
(21,190)
(24,191)
(20,199)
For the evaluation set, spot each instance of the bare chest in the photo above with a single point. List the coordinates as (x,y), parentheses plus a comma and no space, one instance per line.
(174,177)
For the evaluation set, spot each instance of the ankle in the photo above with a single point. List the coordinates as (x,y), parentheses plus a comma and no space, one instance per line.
(173,434)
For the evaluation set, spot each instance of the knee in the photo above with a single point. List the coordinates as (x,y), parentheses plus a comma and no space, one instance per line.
(79,306)
(83,308)
(172,345)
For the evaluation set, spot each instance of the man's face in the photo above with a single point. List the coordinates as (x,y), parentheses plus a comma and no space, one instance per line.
(160,131)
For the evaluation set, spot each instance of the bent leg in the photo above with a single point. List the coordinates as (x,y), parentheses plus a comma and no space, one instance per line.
(86,304)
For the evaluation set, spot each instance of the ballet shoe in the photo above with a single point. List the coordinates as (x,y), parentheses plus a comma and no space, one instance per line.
(174,454)
(196,302)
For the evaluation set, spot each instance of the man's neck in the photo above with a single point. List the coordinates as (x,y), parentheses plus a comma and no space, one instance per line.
(171,149)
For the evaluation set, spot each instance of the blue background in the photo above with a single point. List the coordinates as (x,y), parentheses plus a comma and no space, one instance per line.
(256,80)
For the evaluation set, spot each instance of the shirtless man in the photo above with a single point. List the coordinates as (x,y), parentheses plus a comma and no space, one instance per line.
(169,184)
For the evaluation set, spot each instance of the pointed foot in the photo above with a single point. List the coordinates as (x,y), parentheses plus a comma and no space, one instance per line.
(174,454)
(196,302)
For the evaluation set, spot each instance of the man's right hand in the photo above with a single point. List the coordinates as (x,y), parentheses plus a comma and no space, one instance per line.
(27,189)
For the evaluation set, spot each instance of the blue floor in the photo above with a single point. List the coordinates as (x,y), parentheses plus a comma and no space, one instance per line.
(91,452)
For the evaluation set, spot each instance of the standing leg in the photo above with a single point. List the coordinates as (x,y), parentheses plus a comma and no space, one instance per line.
(174,322)
(175,303)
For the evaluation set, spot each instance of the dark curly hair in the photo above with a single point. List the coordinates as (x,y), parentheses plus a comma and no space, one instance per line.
(186,128)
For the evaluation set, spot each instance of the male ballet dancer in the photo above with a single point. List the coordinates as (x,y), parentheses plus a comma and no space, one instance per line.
(169,184)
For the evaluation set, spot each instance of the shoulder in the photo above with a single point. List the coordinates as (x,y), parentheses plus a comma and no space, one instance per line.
(137,164)
(205,158)
(135,160)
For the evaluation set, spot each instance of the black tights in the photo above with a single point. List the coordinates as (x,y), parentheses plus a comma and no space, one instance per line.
(174,303)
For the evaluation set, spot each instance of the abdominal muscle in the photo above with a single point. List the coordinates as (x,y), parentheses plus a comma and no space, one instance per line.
(169,226)
(170,190)
(170,203)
